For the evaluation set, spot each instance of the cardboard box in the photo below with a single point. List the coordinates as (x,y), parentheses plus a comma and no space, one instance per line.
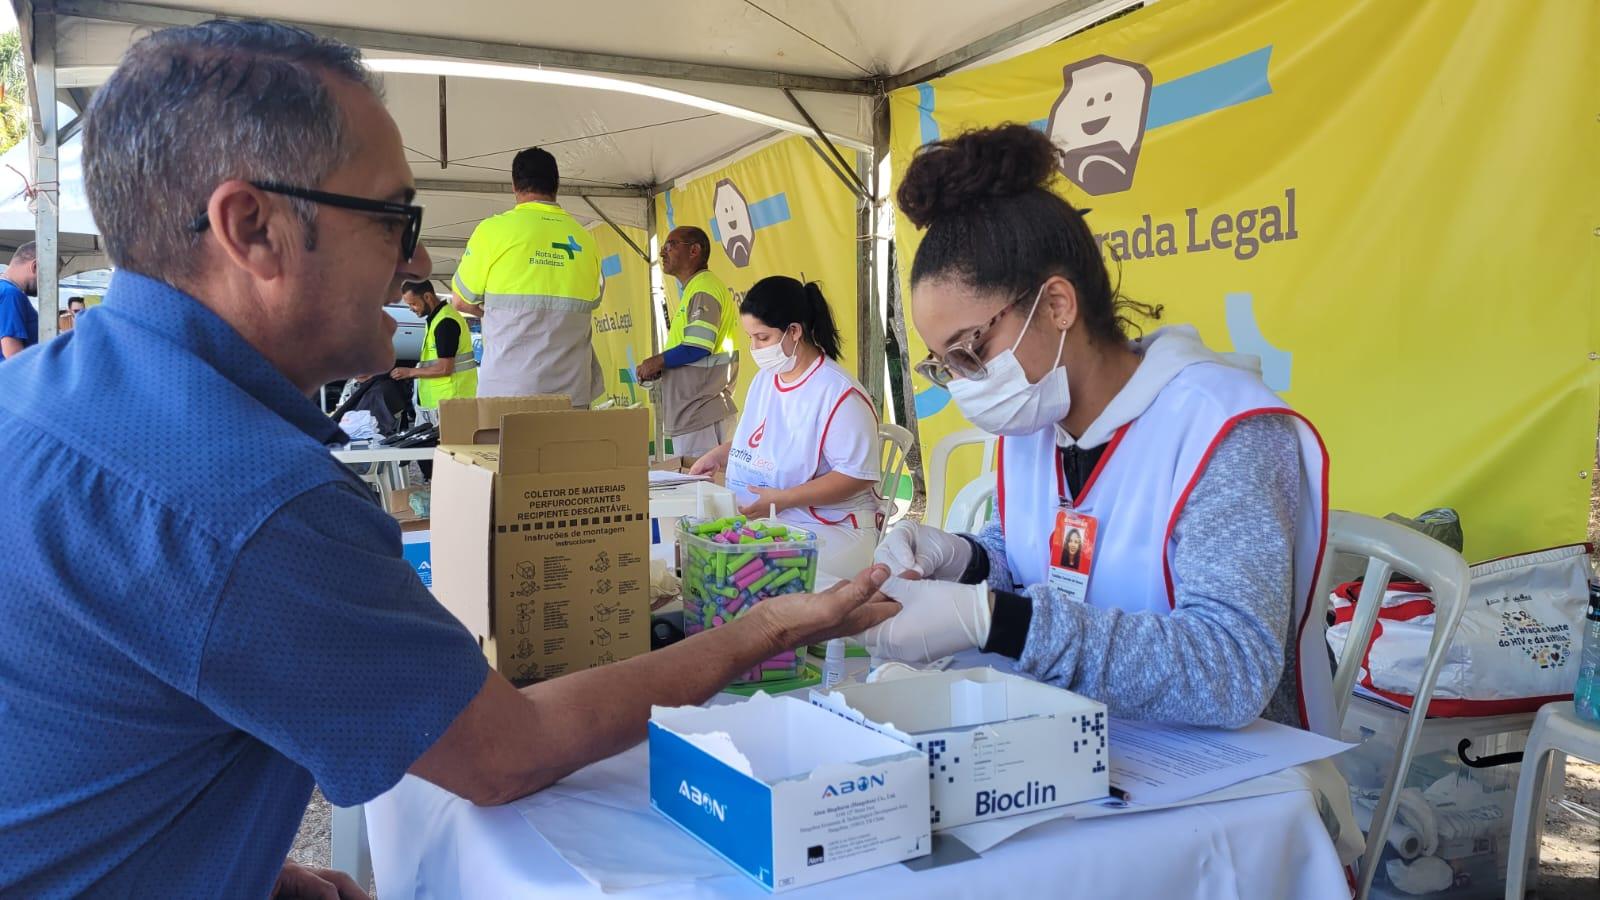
(541,530)
(417,550)
(414,538)
(787,793)
(997,744)
(399,504)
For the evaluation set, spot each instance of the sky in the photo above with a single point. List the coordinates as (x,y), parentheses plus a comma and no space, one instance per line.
(8,17)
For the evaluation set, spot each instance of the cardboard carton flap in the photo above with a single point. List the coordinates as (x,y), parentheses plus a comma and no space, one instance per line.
(476,420)
(484,456)
(463,494)
(777,738)
(573,441)
(940,700)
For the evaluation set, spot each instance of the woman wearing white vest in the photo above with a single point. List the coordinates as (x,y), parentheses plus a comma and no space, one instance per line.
(1162,512)
(807,441)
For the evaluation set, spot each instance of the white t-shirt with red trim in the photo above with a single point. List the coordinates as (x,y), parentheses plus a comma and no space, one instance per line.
(792,433)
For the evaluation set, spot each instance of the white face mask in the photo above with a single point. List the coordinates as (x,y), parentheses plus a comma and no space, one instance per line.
(772,358)
(1006,402)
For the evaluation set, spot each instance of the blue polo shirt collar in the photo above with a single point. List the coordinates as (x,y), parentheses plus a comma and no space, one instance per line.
(166,311)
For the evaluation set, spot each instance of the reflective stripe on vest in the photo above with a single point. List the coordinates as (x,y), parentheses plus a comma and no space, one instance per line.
(712,361)
(548,302)
(463,380)
(714,336)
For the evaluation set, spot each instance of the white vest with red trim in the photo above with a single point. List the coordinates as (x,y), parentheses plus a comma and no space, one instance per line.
(779,441)
(1137,491)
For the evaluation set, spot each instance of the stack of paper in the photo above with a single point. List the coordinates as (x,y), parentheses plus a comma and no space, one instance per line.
(667,479)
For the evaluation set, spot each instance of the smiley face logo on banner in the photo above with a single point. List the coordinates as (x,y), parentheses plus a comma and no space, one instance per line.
(735,221)
(735,231)
(1099,121)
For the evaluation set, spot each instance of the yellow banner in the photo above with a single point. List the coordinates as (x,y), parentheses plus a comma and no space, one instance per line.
(1392,204)
(622,321)
(778,211)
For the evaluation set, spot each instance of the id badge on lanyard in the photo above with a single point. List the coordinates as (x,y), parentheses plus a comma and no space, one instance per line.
(1071,549)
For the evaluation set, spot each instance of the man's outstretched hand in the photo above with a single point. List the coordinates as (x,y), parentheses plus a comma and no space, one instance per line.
(847,608)
(296,882)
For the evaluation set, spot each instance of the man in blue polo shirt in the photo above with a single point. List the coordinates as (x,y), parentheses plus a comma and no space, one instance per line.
(203,612)
(19,323)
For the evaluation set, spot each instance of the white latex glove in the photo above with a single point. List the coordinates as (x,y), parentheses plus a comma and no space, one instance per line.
(928,551)
(936,619)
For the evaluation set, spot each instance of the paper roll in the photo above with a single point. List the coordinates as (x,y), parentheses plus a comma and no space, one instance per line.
(1403,838)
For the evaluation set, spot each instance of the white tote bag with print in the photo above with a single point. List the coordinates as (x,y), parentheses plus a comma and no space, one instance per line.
(1516,648)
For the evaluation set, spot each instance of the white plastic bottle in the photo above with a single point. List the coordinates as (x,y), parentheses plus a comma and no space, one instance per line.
(833,665)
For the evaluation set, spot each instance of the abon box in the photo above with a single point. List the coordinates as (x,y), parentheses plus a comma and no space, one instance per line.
(997,744)
(787,793)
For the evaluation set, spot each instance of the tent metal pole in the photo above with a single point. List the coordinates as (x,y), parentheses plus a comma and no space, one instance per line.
(859,186)
(869,321)
(871,260)
(70,130)
(444,127)
(620,233)
(46,170)
(833,167)
(657,294)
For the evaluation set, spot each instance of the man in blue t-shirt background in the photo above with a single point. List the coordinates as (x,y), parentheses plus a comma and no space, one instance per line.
(19,322)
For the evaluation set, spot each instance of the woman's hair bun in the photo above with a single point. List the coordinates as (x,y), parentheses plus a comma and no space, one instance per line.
(953,175)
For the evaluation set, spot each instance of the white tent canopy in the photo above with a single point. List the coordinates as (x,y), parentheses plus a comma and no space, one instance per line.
(838,58)
(629,95)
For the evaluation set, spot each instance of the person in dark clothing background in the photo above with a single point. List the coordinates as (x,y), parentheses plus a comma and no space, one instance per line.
(388,400)
(447,368)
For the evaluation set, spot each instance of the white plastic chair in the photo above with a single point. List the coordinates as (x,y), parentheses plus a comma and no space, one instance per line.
(1389,547)
(895,447)
(1556,730)
(938,467)
(974,505)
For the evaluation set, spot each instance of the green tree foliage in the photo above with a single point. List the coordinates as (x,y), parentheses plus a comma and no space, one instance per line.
(13,91)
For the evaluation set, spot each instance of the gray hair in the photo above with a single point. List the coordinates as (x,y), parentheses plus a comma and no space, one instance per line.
(189,108)
(24,254)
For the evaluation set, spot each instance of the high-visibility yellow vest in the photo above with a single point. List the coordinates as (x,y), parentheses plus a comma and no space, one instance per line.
(533,256)
(716,337)
(463,381)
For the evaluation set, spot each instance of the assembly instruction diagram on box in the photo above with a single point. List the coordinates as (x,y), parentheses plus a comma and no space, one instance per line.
(997,744)
(542,533)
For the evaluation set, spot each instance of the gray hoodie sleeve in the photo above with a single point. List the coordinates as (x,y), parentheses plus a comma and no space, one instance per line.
(1219,657)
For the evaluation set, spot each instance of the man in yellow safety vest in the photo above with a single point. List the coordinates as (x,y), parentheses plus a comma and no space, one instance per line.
(697,367)
(446,368)
(533,274)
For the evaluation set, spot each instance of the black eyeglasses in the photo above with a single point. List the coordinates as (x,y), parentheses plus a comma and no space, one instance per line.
(411,212)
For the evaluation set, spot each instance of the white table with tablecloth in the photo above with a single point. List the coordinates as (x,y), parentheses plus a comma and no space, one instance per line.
(1269,838)
(428,843)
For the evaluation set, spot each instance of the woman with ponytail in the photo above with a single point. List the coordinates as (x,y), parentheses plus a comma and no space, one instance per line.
(1190,499)
(807,442)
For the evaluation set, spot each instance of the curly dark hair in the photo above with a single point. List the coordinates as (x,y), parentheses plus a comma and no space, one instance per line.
(993,223)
